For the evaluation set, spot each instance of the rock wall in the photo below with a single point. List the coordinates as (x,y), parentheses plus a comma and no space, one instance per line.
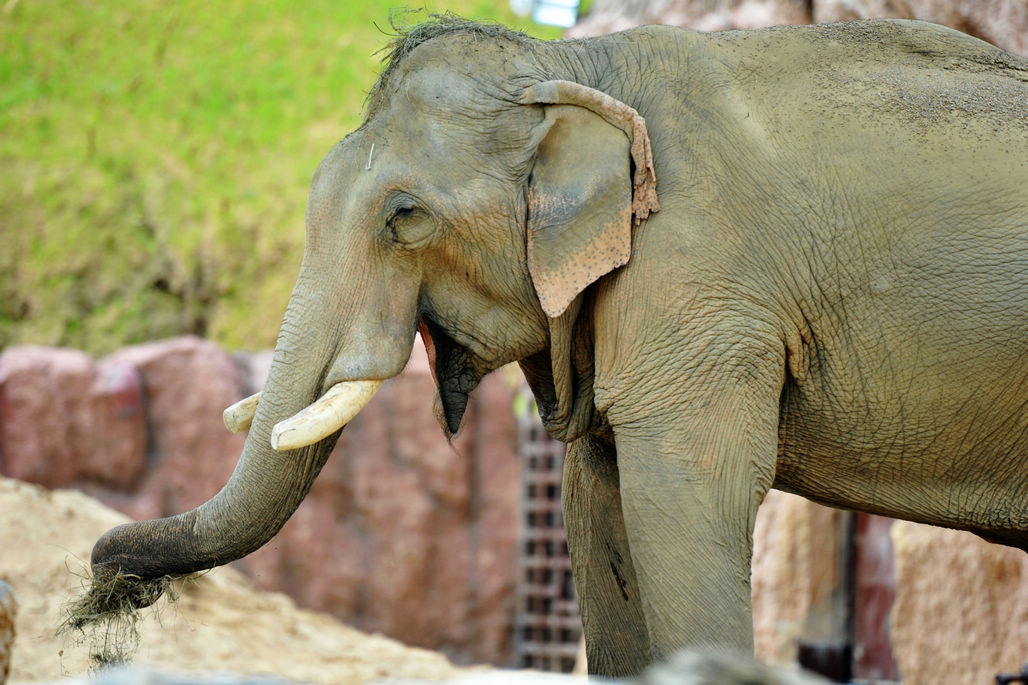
(961,609)
(1001,22)
(403,533)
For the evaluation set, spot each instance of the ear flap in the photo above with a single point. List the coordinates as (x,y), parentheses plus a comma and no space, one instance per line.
(581,194)
(579,206)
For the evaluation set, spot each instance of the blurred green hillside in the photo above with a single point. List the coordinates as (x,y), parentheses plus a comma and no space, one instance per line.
(155,158)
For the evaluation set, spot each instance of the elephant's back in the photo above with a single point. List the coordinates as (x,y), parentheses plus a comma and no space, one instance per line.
(903,73)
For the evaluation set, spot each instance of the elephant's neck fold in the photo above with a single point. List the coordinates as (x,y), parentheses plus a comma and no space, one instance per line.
(561,377)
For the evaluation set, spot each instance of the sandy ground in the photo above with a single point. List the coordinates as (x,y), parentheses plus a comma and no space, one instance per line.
(220,622)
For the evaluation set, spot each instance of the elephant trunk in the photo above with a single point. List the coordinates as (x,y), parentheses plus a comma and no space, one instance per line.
(348,323)
(266,487)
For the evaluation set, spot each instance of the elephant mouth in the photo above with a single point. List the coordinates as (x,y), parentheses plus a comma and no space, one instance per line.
(455,369)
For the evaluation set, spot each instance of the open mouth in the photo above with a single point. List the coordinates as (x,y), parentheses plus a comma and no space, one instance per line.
(429,340)
(453,368)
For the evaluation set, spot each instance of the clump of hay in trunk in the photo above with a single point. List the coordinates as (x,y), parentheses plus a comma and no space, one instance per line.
(108,612)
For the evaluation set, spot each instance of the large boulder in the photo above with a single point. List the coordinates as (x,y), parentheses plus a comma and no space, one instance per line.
(66,419)
(606,16)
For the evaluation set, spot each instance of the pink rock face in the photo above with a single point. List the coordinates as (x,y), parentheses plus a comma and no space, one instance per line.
(188,382)
(66,419)
(961,609)
(874,590)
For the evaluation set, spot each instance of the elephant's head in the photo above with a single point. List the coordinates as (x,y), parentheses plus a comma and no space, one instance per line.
(479,198)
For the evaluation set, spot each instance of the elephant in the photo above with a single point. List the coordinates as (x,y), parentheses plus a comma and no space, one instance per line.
(793,257)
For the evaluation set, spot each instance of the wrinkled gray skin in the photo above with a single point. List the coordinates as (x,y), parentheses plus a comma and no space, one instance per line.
(832,299)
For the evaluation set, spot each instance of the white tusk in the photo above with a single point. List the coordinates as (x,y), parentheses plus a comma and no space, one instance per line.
(323,418)
(239,416)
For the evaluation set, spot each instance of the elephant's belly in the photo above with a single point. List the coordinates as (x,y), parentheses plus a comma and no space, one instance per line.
(936,457)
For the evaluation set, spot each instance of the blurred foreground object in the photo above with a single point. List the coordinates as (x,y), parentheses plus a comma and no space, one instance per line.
(683,668)
(142,675)
(724,668)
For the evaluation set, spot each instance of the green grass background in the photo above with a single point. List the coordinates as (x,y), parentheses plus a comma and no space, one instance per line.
(155,158)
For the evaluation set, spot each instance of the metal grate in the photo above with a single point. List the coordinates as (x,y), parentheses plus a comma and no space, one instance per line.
(547,623)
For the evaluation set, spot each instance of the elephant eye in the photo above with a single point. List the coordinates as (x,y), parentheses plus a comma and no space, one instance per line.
(409,225)
(401,214)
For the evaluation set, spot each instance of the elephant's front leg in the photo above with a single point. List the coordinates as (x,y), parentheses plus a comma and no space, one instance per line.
(692,477)
(616,640)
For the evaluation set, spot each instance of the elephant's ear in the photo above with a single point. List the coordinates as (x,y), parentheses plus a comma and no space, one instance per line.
(581,194)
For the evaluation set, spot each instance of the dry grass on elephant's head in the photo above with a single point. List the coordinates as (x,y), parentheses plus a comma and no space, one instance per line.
(107,613)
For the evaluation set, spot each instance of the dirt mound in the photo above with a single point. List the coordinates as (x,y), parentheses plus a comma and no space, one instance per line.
(220,621)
